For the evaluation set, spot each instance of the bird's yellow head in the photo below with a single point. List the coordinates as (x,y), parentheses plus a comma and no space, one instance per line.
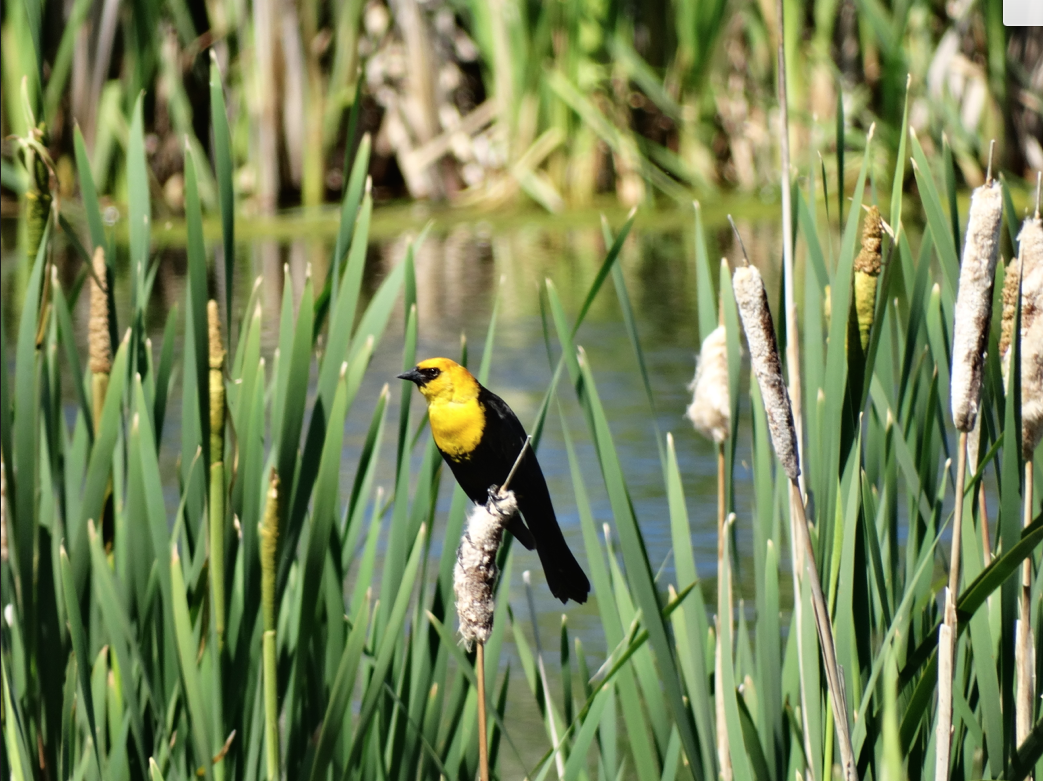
(443,380)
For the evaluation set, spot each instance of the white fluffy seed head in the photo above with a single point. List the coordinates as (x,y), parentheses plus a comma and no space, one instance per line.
(1032,388)
(974,302)
(764,356)
(710,410)
(474,576)
(1026,269)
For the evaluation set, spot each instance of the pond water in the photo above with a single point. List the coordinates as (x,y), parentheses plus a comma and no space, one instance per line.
(459,269)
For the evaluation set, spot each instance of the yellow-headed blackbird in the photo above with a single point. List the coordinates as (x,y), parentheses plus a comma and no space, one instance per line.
(480,438)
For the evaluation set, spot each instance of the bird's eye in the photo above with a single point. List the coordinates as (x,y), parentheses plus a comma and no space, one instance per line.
(430,374)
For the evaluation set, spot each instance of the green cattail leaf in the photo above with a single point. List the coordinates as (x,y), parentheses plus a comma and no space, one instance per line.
(88,192)
(340,693)
(225,192)
(635,556)
(345,304)
(112,605)
(738,748)
(16,747)
(577,761)
(67,336)
(154,772)
(387,646)
(196,328)
(99,468)
(898,181)
(349,213)
(79,647)
(706,294)
(323,515)
(198,715)
(689,643)
(363,485)
(941,232)
(139,216)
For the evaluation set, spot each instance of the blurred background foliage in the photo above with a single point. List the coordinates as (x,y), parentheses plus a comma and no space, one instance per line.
(494,101)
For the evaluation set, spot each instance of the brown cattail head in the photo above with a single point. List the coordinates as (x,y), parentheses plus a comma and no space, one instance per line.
(1011,287)
(867,271)
(710,410)
(764,355)
(98,339)
(974,302)
(474,576)
(269,532)
(217,383)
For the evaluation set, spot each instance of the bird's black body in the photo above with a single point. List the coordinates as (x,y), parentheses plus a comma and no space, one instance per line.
(489,464)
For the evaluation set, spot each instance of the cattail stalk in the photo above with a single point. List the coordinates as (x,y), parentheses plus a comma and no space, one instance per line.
(764,355)
(217,470)
(269,533)
(970,338)
(867,273)
(710,413)
(474,584)
(1025,277)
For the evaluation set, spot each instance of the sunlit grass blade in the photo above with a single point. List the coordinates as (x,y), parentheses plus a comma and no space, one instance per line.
(79,643)
(225,194)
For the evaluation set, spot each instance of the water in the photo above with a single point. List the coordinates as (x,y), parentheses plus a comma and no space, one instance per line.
(460,269)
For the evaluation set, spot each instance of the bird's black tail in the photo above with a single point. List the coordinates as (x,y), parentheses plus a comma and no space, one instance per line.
(564,575)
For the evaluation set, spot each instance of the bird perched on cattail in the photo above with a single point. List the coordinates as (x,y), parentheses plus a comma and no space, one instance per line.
(480,438)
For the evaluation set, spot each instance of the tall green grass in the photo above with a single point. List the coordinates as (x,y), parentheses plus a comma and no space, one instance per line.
(112,663)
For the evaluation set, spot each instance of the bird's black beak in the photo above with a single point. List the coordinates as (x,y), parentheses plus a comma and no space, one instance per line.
(412,376)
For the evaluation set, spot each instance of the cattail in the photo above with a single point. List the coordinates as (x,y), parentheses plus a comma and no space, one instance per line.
(974,302)
(216,512)
(269,532)
(710,410)
(1032,388)
(764,355)
(217,385)
(99,341)
(1026,269)
(474,576)
(867,272)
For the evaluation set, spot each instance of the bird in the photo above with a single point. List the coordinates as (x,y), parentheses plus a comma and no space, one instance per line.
(480,438)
